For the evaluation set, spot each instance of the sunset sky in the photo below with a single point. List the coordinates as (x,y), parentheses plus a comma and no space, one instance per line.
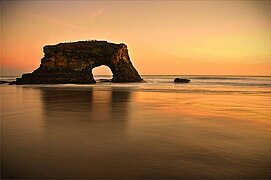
(163,37)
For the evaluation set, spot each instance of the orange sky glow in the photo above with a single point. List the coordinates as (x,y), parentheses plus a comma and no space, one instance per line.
(163,37)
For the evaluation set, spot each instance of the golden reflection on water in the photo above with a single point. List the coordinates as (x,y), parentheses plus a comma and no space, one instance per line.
(113,132)
(246,107)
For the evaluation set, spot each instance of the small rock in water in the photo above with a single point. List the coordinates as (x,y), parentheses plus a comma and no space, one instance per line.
(178,80)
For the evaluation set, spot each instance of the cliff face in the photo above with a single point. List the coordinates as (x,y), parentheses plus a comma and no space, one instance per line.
(73,63)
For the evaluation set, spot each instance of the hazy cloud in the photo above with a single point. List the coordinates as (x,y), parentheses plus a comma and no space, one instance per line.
(56,21)
(96,14)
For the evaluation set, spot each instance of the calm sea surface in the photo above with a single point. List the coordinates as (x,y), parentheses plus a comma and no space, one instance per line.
(215,127)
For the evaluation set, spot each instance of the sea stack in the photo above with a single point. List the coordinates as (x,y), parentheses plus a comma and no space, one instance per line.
(73,63)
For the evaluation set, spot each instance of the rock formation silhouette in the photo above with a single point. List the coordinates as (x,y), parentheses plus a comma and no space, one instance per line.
(73,63)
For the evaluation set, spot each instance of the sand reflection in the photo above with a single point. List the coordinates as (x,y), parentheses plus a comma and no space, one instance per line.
(81,131)
(73,106)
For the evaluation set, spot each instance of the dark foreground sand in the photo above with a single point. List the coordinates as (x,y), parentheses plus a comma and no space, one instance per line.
(135,131)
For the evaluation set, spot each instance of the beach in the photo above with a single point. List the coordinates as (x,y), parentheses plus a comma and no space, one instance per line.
(214,127)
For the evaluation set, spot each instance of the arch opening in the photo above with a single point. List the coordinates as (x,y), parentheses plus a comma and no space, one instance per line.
(102,74)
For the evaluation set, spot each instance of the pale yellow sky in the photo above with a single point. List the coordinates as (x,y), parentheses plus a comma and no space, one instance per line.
(163,37)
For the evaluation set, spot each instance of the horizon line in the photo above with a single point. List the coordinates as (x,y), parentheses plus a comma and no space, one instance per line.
(168,75)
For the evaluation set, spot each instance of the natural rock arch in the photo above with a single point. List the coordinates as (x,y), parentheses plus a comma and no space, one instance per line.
(73,63)
(102,71)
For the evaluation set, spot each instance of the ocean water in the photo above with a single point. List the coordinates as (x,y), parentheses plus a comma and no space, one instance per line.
(212,128)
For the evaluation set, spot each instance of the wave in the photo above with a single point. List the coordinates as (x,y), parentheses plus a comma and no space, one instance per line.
(221,78)
(161,89)
(204,91)
(257,84)
(8,78)
(159,80)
